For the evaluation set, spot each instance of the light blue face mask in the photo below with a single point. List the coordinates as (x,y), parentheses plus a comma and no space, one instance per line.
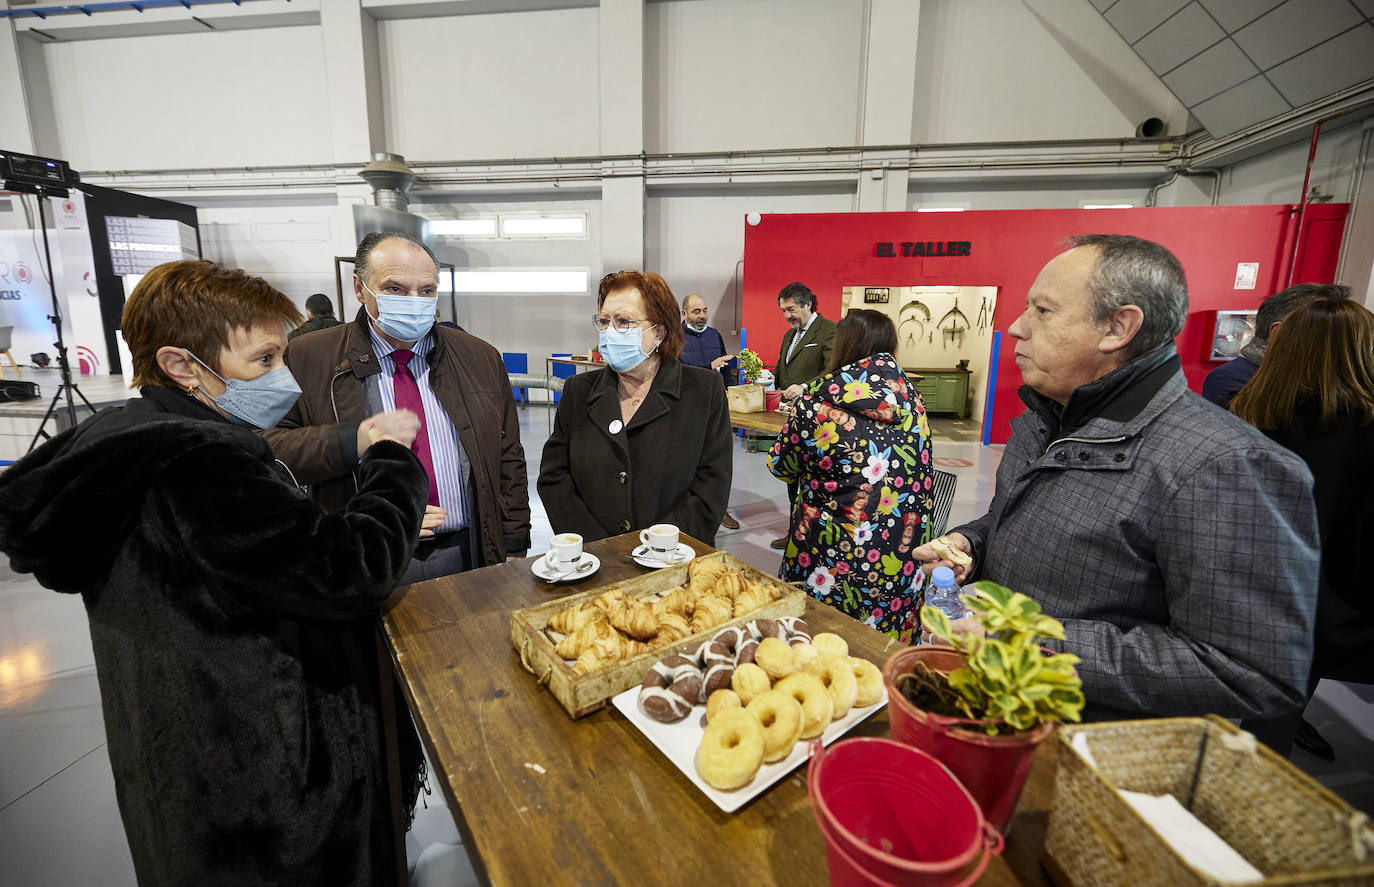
(259,402)
(621,351)
(407,318)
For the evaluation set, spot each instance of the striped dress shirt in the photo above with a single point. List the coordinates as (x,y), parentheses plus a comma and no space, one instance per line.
(444,446)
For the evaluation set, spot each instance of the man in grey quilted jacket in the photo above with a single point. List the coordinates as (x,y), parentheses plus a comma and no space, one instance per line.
(1177,544)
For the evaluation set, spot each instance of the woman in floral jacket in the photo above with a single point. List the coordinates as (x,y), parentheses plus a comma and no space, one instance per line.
(858,444)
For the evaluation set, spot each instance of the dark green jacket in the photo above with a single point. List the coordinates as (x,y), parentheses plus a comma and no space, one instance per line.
(314,323)
(811,357)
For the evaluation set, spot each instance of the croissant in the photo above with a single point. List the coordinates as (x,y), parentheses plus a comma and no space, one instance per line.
(672,627)
(575,617)
(680,601)
(751,599)
(636,619)
(703,574)
(710,612)
(607,651)
(573,645)
(612,600)
(729,585)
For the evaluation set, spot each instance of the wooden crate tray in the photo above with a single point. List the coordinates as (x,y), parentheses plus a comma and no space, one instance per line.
(581,694)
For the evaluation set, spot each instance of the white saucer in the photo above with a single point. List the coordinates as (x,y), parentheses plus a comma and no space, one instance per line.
(543,570)
(684,554)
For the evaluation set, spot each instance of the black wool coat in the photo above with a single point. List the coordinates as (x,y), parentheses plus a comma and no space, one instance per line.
(233,623)
(1342,462)
(671,464)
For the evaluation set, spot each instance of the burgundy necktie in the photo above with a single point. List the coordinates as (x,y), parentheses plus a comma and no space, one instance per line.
(408,398)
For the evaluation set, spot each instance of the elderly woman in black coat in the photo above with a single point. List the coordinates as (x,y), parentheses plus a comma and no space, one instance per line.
(645,440)
(232,619)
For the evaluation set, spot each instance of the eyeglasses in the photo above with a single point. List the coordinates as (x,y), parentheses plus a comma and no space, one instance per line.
(622,325)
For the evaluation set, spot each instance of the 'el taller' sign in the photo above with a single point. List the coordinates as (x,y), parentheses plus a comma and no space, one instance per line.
(927,248)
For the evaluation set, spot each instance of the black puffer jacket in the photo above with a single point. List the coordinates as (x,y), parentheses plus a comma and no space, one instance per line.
(233,624)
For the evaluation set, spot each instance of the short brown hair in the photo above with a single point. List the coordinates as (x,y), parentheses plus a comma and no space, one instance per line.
(1322,352)
(195,304)
(862,333)
(660,306)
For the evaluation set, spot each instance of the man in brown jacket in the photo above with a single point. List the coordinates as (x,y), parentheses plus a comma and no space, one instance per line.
(391,368)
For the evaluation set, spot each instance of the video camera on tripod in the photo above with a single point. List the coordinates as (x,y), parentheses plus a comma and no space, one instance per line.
(46,177)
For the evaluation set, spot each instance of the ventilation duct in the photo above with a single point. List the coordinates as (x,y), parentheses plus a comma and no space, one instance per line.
(391,180)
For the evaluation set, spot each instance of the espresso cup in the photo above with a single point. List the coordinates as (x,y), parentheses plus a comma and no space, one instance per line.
(660,541)
(565,550)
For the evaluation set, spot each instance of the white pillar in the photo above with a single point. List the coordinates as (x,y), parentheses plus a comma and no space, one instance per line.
(889,89)
(14,108)
(621,24)
(353,76)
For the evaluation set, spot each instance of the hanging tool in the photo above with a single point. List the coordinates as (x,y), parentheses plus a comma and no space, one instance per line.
(984,315)
(910,326)
(954,324)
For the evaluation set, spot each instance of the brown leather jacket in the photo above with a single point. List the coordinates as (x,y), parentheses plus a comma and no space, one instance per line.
(318,438)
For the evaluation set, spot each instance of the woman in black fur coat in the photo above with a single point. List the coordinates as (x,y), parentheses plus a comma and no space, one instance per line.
(232,619)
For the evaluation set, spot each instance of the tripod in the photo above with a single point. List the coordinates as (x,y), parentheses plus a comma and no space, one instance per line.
(67,386)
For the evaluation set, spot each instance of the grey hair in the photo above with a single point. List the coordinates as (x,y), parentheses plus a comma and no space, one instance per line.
(689,297)
(1285,302)
(376,239)
(799,293)
(1132,271)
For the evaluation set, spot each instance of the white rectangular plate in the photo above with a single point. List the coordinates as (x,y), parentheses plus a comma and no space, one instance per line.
(679,742)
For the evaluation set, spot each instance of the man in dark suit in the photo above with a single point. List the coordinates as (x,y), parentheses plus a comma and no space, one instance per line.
(804,354)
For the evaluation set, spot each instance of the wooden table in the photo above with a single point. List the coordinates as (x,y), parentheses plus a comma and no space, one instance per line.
(766,422)
(541,799)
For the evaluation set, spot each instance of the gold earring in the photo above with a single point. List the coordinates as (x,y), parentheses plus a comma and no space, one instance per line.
(190,391)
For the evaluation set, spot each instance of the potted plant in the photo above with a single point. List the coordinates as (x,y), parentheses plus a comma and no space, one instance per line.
(750,365)
(983,704)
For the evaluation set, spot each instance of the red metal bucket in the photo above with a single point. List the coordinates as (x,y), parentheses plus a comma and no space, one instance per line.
(893,815)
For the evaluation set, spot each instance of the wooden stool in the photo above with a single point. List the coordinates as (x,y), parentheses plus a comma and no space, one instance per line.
(5,333)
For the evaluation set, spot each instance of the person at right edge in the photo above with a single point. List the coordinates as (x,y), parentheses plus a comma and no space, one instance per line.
(1314,394)
(1177,544)
(1223,382)
(232,619)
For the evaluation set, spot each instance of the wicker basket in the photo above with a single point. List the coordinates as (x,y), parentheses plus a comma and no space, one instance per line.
(1278,818)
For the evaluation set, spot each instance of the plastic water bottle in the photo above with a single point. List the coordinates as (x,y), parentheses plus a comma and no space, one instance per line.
(944,594)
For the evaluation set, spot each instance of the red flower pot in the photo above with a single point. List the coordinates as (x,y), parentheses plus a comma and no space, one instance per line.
(992,768)
(772,400)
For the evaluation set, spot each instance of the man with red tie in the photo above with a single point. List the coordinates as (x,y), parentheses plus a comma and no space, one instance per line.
(391,369)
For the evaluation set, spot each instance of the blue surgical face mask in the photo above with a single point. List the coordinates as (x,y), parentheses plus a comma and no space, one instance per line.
(259,402)
(407,318)
(700,329)
(621,351)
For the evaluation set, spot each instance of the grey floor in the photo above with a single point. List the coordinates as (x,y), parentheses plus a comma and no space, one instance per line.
(59,824)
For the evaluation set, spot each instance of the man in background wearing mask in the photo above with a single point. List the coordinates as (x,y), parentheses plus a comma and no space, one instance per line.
(702,346)
(390,365)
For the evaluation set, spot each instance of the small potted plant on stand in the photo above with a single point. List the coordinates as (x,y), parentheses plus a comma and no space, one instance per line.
(747,398)
(983,704)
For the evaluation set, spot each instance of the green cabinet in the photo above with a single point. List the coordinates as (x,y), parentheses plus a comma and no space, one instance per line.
(944,391)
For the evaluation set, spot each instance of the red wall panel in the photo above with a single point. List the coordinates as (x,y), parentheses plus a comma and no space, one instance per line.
(829,251)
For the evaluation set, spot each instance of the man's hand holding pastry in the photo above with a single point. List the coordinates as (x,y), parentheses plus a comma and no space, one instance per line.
(952,550)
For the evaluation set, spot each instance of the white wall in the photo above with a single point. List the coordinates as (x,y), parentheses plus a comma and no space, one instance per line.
(1276,176)
(228,98)
(536,324)
(521,84)
(696,238)
(721,74)
(291,243)
(998,70)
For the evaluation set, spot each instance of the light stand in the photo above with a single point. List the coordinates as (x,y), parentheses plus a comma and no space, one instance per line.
(21,174)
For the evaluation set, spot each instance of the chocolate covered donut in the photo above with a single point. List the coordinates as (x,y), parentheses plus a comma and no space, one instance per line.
(670,689)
